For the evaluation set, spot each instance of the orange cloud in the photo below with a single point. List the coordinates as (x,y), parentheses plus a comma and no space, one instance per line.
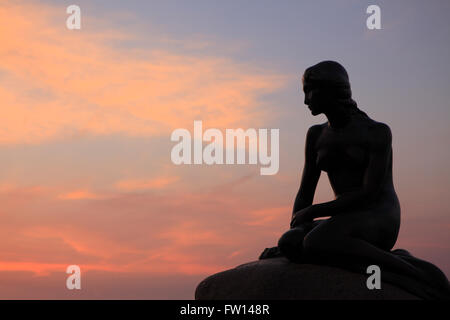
(79,195)
(39,269)
(266,216)
(15,189)
(56,83)
(119,233)
(144,184)
(108,254)
(188,234)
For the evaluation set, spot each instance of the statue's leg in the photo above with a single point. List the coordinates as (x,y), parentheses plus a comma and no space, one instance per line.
(436,275)
(355,235)
(291,242)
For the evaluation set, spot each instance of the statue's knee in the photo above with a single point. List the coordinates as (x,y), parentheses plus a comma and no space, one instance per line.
(291,243)
(313,242)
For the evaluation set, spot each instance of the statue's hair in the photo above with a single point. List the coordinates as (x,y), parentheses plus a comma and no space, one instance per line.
(333,77)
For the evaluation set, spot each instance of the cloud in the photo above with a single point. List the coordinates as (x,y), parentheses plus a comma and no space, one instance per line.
(186,235)
(56,83)
(145,184)
(39,269)
(122,232)
(79,195)
(266,216)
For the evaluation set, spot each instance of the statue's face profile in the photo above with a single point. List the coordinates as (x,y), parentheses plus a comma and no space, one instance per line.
(315,98)
(325,85)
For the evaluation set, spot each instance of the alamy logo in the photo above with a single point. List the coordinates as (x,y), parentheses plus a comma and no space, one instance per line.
(73,22)
(213,153)
(374,280)
(74,280)
(374,20)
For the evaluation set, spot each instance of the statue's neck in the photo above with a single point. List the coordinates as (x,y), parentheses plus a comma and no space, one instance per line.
(339,117)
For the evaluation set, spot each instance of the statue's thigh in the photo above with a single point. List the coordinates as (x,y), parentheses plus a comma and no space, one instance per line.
(362,225)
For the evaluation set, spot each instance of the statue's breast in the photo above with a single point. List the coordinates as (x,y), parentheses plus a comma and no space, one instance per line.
(341,157)
(334,152)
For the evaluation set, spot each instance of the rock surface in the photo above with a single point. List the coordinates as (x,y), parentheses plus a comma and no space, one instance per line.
(277,278)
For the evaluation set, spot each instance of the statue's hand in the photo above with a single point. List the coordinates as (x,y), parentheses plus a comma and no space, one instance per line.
(301,217)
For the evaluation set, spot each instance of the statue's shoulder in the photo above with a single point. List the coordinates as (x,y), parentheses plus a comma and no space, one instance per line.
(379,132)
(314,132)
(317,128)
(377,126)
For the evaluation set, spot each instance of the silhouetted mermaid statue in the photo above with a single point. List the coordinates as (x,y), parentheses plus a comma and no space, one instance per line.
(364,219)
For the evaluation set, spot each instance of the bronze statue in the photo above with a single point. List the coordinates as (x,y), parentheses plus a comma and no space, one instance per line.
(364,218)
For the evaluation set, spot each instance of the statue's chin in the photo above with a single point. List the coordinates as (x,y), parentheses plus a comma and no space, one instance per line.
(313,111)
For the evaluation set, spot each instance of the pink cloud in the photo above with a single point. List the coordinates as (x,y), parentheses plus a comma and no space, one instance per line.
(57,84)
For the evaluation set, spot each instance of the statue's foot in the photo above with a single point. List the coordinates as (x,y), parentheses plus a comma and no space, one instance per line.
(268,253)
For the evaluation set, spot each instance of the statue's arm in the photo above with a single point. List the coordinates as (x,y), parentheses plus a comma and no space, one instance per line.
(311,173)
(380,147)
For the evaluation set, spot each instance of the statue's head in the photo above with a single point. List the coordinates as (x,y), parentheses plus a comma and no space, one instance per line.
(326,85)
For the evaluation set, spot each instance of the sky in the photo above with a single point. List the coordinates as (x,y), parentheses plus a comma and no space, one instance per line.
(86,118)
